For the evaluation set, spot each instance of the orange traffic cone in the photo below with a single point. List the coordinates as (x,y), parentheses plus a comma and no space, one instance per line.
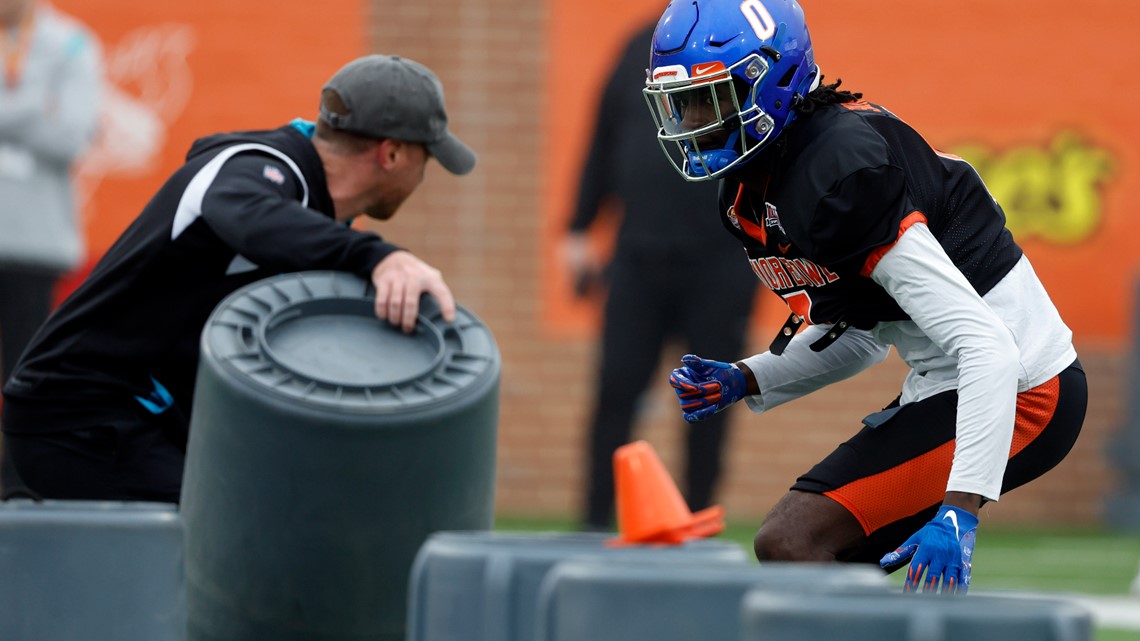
(650,508)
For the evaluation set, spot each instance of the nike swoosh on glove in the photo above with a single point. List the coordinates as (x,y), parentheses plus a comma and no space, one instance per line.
(706,387)
(942,550)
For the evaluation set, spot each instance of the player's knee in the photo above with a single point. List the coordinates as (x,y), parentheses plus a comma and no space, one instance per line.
(775,543)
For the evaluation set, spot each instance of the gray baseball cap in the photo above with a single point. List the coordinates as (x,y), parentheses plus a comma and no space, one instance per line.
(393,97)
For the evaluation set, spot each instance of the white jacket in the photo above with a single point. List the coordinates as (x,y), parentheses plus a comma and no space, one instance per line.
(47,118)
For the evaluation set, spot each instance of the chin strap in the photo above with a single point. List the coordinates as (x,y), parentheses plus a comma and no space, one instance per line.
(706,163)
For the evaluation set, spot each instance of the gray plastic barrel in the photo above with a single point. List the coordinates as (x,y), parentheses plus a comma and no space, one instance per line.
(325,446)
(912,617)
(620,601)
(475,586)
(97,571)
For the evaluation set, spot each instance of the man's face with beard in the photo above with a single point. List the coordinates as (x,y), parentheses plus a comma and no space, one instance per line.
(398,183)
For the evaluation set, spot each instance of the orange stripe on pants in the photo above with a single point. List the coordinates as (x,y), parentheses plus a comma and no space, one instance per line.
(915,485)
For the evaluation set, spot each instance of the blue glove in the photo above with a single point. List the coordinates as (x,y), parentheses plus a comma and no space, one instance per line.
(706,387)
(942,549)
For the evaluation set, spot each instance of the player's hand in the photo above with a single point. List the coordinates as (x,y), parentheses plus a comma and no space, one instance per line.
(942,549)
(399,280)
(706,387)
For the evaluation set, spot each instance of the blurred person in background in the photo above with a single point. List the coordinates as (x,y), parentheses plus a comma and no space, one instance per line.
(98,406)
(49,110)
(875,240)
(673,273)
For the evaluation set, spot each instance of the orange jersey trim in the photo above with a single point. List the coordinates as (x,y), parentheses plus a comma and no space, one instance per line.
(915,485)
(752,229)
(861,105)
(877,255)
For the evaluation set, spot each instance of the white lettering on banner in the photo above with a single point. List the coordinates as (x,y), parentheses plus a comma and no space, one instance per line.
(149,83)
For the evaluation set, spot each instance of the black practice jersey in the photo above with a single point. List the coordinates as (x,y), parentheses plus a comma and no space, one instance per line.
(817,209)
(244,206)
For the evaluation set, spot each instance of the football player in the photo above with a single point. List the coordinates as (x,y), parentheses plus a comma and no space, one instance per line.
(874,239)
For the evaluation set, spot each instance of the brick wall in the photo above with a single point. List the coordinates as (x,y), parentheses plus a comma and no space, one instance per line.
(483,231)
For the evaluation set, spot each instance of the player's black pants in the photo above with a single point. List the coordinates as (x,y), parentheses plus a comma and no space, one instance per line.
(706,299)
(892,477)
(125,454)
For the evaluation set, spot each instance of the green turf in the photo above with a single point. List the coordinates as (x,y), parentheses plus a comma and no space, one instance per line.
(1089,562)
(1074,561)
(1117,635)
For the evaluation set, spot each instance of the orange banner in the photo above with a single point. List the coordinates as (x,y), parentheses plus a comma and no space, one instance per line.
(1025,90)
(180,70)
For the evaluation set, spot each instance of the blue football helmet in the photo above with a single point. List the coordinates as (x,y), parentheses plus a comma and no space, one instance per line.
(723,79)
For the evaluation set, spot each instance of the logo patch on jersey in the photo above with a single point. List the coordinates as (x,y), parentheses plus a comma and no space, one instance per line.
(731,214)
(273,174)
(772,217)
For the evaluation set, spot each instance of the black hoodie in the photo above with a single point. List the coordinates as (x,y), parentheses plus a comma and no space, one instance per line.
(243,207)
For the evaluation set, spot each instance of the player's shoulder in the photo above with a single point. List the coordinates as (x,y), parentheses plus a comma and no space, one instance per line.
(844,126)
(836,141)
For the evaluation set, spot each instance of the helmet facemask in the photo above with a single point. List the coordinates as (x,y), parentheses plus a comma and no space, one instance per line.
(708,124)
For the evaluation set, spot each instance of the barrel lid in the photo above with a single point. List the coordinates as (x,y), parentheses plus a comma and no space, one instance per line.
(314,337)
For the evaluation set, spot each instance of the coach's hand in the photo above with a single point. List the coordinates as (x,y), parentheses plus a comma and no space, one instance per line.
(942,550)
(399,280)
(706,387)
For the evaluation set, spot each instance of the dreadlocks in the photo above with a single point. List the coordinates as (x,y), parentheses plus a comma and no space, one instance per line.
(825,95)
